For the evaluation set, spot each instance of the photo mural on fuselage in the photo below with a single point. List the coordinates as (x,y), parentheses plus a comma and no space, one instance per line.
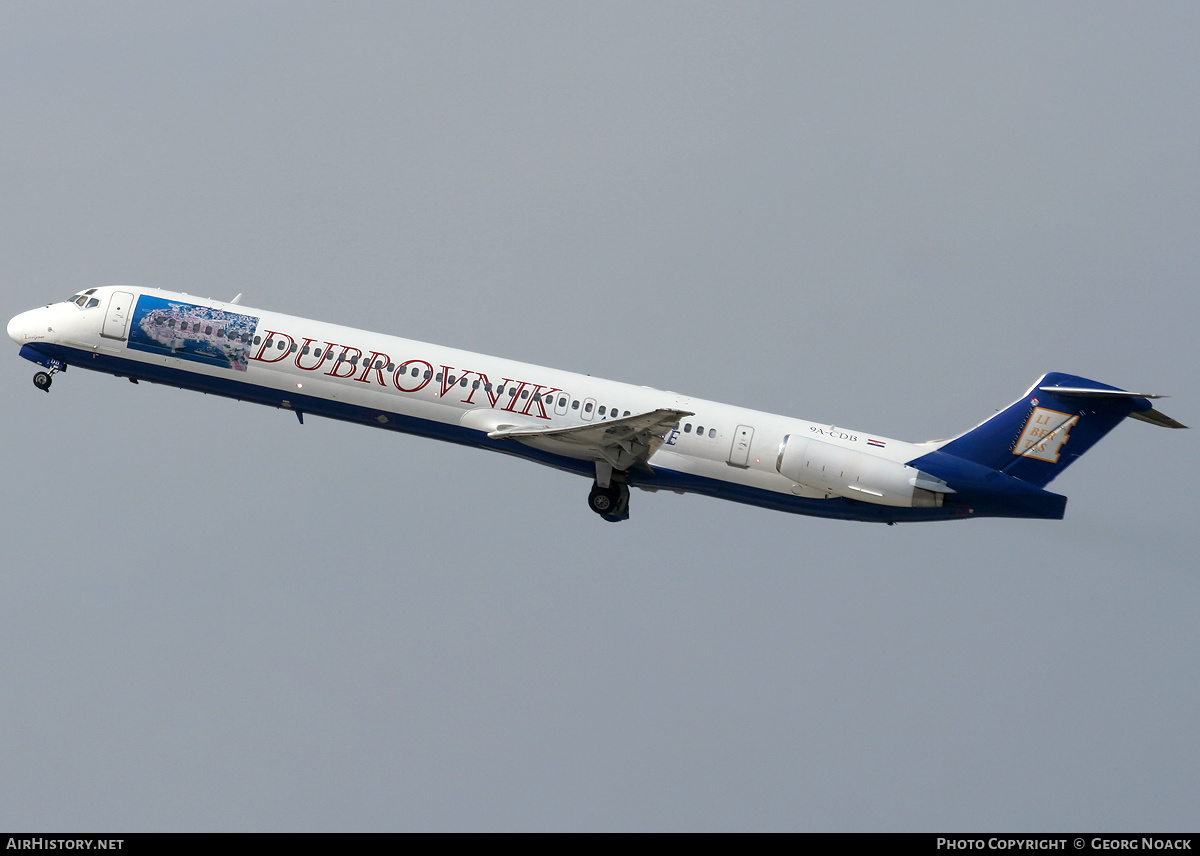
(412,375)
(189,331)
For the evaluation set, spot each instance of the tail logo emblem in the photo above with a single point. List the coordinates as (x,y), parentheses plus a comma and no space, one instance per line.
(1044,433)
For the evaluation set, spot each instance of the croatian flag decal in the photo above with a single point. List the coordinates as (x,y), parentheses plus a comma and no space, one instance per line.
(879,443)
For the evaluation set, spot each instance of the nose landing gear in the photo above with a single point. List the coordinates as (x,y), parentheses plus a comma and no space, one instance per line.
(42,379)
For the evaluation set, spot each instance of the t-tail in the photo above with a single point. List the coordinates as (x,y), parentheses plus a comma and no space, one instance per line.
(1001,466)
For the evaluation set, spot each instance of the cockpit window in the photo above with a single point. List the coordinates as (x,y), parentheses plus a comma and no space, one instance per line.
(82,300)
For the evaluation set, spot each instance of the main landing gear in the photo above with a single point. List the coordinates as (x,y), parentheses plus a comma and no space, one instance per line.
(611,503)
(610,495)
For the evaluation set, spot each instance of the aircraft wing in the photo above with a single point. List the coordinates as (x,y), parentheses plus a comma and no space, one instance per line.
(622,442)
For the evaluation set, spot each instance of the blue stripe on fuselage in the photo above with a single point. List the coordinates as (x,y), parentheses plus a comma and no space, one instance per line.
(649,477)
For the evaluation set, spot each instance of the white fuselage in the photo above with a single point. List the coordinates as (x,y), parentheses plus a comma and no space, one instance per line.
(314,367)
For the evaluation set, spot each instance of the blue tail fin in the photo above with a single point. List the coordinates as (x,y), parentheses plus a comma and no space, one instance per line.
(1055,422)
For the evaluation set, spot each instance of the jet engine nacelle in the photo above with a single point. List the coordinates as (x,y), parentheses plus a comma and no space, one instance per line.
(857,475)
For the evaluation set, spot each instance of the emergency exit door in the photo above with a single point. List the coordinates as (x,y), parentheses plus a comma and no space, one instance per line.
(739,452)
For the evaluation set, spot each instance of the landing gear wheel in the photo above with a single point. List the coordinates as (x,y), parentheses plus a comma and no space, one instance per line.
(42,381)
(603,500)
(611,503)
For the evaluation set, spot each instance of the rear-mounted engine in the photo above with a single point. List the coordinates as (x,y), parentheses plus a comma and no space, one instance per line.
(852,474)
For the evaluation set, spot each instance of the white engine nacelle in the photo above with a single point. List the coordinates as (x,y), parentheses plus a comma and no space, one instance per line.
(856,475)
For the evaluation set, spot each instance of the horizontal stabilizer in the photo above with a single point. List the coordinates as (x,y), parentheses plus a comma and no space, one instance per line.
(1157,417)
(1092,392)
(1154,417)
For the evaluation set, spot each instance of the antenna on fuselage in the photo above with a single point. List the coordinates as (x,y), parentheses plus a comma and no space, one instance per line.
(237,299)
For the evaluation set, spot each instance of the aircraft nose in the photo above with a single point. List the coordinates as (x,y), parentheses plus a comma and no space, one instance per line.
(21,325)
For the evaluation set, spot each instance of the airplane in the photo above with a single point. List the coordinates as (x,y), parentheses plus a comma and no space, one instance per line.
(617,434)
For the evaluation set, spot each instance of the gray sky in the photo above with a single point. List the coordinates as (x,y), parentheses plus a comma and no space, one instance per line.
(892,217)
